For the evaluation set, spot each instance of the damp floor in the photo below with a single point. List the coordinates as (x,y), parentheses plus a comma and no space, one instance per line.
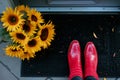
(102,30)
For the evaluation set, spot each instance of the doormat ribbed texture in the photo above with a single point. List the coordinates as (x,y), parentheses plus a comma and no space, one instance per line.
(103,30)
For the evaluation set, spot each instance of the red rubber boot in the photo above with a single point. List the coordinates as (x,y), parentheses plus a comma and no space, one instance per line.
(74,60)
(91,61)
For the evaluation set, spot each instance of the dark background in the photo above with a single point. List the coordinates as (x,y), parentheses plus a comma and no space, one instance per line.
(53,61)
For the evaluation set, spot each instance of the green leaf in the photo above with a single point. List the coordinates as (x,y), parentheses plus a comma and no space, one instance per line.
(4,35)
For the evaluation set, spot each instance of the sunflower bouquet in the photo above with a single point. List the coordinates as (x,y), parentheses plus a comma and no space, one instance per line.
(28,33)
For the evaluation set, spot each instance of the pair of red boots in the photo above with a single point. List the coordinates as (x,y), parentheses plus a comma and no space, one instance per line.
(75,63)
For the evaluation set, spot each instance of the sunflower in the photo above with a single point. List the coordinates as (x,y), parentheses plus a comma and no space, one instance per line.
(12,19)
(23,8)
(13,51)
(27,55)
(19,36)
(28,28)
(46,34)
(35,17)
(33,45)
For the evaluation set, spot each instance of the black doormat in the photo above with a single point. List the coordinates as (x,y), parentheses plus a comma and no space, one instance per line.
(103,30)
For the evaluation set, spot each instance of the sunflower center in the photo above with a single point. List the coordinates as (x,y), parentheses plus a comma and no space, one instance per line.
(14,50)
(32,43)
(44,34)
(12,19)
(20,36)
(26,28)
(34,18)
(25,52)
